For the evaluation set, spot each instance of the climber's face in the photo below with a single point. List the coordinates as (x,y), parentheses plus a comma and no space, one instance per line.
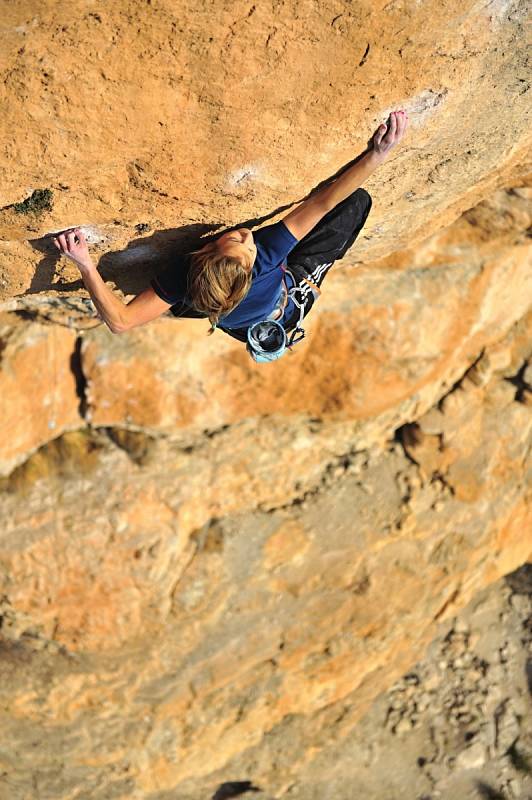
(238,244)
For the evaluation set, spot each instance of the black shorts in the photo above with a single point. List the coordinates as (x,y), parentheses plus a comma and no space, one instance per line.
(328,242)
(315,253)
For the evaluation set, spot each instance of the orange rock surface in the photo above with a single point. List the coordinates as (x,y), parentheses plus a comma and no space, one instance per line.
(183,119)
(37,387)
(209,569)
(194,597)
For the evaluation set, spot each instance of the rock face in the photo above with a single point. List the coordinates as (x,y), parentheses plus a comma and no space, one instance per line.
(37,386)
(457,725)
(384,344)
(220,594)
(180,119)
(200,555)
(379,339)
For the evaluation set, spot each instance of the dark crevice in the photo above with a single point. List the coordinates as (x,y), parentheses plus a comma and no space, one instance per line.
(520,761)
(81,380)
(137,445)
(407,430)
(457,384)
(521,386)
(520,580)
(407,433)
(231,789)
(210,537)
(333,472)
(450,600)
(488,792)
(366,51)
(212,433)
(26,314)
(441,479)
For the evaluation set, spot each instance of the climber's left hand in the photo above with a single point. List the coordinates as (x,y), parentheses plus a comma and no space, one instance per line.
(73,245)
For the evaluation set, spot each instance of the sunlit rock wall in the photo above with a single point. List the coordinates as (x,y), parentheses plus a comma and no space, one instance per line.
(250,577)
(140,635)
(200,555)
(180,117)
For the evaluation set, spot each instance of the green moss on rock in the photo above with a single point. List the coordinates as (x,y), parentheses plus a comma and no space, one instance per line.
(41,200)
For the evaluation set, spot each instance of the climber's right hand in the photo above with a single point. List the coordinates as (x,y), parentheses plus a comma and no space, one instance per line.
(72,244)
(387,136)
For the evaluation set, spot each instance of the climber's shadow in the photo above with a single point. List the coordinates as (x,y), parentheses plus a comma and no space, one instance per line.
(46,269)
(132,268)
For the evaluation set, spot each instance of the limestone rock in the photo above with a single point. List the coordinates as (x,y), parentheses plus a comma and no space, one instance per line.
(473,757)
(38,387)
(170,376)
(200,555)
(221,116)
(216,618)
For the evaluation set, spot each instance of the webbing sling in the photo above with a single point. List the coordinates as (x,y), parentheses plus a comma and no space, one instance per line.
(316,291)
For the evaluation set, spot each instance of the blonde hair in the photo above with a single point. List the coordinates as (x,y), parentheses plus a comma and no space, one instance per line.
(216,283)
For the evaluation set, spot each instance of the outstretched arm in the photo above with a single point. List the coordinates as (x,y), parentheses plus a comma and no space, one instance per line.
(118,316)
(302,219)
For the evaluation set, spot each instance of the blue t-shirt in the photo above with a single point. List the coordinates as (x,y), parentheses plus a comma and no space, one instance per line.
(273,242)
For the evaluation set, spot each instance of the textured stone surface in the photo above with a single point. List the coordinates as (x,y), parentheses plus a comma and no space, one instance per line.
(184,118)
(38,399)
(377,338)
(457,725)
(249,578)
(208,569)
(385,342)
(186,600)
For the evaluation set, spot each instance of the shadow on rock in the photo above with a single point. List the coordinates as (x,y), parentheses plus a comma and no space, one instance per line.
(234,789)
(129,269)
(487,792)
(132,268)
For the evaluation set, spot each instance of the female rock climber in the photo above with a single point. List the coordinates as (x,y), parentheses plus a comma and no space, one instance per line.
(255,286)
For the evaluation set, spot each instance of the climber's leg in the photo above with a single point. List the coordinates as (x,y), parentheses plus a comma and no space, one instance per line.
(328,242)
(334,234)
